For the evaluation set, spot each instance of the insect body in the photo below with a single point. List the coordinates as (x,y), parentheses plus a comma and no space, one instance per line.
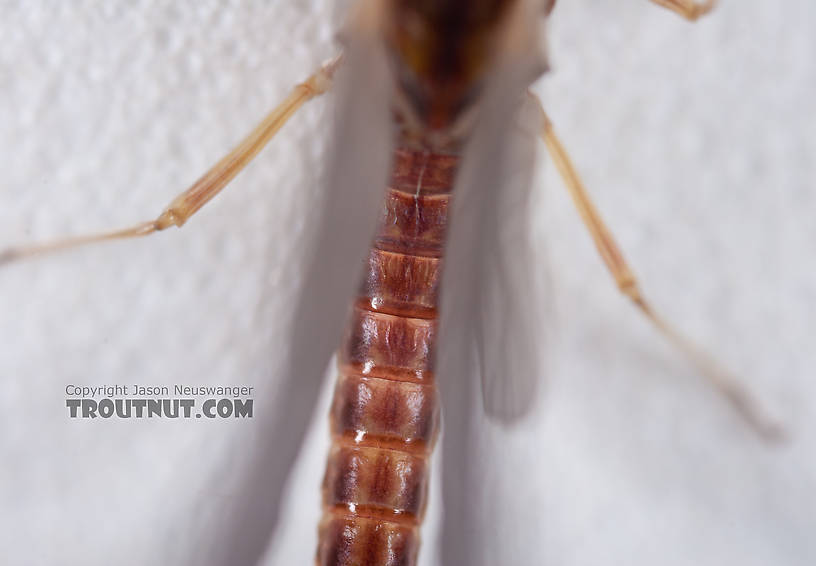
(384,416)
(433,88)
(385,413)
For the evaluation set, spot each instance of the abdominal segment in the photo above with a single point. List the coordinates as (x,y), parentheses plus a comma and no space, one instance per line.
(385,412)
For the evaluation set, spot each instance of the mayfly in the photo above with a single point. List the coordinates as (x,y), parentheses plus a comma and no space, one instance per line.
(430,91)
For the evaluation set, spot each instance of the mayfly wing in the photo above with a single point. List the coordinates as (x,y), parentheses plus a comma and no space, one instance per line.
(492,343)
(490,327)
(509,334)
(335,239)
(492,286)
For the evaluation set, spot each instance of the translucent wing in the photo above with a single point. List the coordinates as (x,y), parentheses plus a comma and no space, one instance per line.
(491,286)
(491,329)
(491,339)
(337,236)
(509,329)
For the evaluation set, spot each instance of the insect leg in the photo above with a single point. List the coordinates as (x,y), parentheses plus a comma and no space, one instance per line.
(210,184)
(689,9)
(721,379)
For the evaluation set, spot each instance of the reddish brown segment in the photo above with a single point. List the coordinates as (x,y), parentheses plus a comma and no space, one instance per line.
(385,413)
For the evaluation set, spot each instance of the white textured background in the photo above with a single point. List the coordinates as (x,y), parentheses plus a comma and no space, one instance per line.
(698,142)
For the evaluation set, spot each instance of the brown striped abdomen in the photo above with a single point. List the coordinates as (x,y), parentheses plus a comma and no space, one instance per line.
(385,413)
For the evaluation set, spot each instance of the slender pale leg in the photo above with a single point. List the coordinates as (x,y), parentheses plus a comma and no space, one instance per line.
(611,254)
(689,9)
(210,184)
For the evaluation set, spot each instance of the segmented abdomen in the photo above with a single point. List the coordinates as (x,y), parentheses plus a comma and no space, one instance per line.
(385,413)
